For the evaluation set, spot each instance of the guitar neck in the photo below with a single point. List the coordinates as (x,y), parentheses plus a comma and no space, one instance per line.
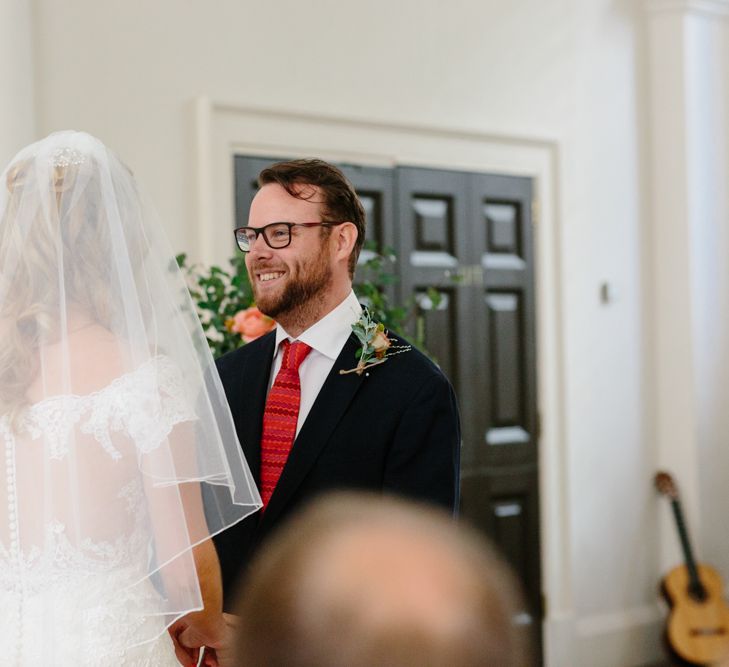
(695,582)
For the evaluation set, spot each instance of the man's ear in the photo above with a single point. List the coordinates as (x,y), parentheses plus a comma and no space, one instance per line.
(346,237)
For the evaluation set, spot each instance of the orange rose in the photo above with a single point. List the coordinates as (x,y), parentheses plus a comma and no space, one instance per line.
(380,343)
(251,323)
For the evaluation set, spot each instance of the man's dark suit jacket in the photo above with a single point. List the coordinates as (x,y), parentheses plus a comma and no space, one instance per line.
(395,428)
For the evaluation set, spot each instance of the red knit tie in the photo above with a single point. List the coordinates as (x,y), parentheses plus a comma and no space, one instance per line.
(280,417)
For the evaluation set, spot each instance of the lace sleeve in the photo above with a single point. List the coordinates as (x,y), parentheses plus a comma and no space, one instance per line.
(154,401)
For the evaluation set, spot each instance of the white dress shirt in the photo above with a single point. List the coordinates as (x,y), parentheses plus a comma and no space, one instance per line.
(326,339)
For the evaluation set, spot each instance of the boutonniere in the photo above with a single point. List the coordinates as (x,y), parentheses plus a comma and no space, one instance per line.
(376,348)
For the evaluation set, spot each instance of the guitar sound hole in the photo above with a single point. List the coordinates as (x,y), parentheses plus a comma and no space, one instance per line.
(697,592)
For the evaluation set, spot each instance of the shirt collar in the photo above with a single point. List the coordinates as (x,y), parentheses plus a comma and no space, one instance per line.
(330,333)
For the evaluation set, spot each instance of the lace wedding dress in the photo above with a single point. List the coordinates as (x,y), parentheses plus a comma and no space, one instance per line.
(65,602)
(119,448)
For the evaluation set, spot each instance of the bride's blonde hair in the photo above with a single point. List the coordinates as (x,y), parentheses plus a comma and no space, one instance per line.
(53,246)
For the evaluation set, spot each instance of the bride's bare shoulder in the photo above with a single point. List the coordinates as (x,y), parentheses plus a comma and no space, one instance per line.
(82,362)
(97,352)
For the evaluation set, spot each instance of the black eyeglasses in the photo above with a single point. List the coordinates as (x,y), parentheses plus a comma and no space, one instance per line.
(277,235)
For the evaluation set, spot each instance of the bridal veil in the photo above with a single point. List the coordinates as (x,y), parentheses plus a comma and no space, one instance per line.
(119,449)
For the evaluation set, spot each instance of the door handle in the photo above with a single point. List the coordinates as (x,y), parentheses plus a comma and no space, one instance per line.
(469,275)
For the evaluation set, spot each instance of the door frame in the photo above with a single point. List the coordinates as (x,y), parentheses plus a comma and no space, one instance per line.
(225,128)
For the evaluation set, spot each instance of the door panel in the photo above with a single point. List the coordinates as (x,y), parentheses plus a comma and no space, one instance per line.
(375,189)
(502,246)
(433,242)
(504,503)
(439,323)
(470,236)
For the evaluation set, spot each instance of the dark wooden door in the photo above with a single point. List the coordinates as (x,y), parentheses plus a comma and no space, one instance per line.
(469,236)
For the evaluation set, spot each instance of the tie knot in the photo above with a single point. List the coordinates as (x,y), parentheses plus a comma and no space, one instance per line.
(293,354)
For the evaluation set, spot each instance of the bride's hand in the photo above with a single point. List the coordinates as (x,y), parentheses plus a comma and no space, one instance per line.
(218,638)
(186,655)
(187,649)
(189,636)
(220,652)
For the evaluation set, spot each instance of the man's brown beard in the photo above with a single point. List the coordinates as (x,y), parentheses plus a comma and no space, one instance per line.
(298,293)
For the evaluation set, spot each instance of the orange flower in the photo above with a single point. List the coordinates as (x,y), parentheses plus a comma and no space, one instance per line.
(380,343)
(251,323)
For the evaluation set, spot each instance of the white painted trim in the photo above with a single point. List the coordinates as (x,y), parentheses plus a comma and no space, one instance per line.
(226,128)
(709,8)
(204,181)
(629,637)
(558,640)
(283,115)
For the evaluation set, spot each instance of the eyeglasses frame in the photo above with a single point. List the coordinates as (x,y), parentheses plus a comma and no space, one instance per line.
(262,231)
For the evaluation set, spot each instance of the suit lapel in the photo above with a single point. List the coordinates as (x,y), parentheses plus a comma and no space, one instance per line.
(254,379)
(329,407)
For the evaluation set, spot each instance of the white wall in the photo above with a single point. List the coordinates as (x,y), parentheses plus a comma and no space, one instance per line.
(602,231)
(17,111)
(128,70)
(710,203)
(564,71)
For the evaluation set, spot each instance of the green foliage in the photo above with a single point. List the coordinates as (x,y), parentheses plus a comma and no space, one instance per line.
(406,319)
(365,329)
(219,294)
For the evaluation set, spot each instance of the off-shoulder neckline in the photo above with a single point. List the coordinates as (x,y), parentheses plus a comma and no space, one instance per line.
(110,386)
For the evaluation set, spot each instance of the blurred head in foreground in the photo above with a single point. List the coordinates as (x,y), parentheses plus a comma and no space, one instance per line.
(361,580)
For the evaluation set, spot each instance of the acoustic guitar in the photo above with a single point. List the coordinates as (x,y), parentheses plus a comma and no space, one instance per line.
(698,624)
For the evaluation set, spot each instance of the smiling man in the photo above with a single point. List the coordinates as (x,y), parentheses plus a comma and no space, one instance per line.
(305,427)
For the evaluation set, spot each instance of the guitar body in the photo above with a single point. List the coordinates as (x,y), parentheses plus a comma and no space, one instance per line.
(698,630)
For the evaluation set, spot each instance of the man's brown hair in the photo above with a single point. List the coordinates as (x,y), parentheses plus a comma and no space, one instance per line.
(361,580)
(339,200)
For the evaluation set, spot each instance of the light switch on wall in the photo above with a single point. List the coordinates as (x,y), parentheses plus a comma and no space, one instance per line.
(608,293)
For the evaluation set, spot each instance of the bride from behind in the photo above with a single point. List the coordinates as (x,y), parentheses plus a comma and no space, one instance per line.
(120,455)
